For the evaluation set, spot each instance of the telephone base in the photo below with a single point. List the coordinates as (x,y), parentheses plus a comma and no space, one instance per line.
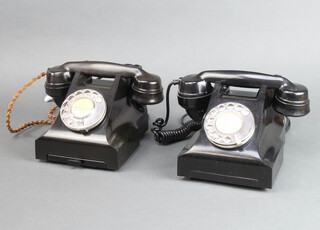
(90,155)
(241,171)
(107,146)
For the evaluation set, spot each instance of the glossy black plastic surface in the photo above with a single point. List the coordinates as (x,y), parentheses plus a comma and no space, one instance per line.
(255,164)
(111,143)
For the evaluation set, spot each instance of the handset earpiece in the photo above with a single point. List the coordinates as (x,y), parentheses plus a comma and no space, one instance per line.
(146,87)
(292,101)
(57,84)
(194,96)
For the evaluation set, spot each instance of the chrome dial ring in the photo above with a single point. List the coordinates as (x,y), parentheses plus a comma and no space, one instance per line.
(229,125)
(83,110)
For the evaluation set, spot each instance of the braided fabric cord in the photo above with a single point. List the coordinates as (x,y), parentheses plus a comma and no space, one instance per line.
(13,100)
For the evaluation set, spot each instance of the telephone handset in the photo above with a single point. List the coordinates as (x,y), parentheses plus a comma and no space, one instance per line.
(146,87)
(242,130)
(102,113)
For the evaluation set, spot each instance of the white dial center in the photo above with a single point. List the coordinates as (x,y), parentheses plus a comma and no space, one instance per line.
(82,107)
(229,122)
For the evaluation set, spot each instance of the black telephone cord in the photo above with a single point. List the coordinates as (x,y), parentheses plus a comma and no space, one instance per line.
(171,136)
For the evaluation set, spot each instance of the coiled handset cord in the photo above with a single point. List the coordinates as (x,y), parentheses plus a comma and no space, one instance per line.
(171,136)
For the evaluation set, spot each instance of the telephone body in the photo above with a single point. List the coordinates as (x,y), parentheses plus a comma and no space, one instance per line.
(103,113)
(242,131)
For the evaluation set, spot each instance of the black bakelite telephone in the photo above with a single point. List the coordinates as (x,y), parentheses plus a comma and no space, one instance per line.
(242,131)
(102,113)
